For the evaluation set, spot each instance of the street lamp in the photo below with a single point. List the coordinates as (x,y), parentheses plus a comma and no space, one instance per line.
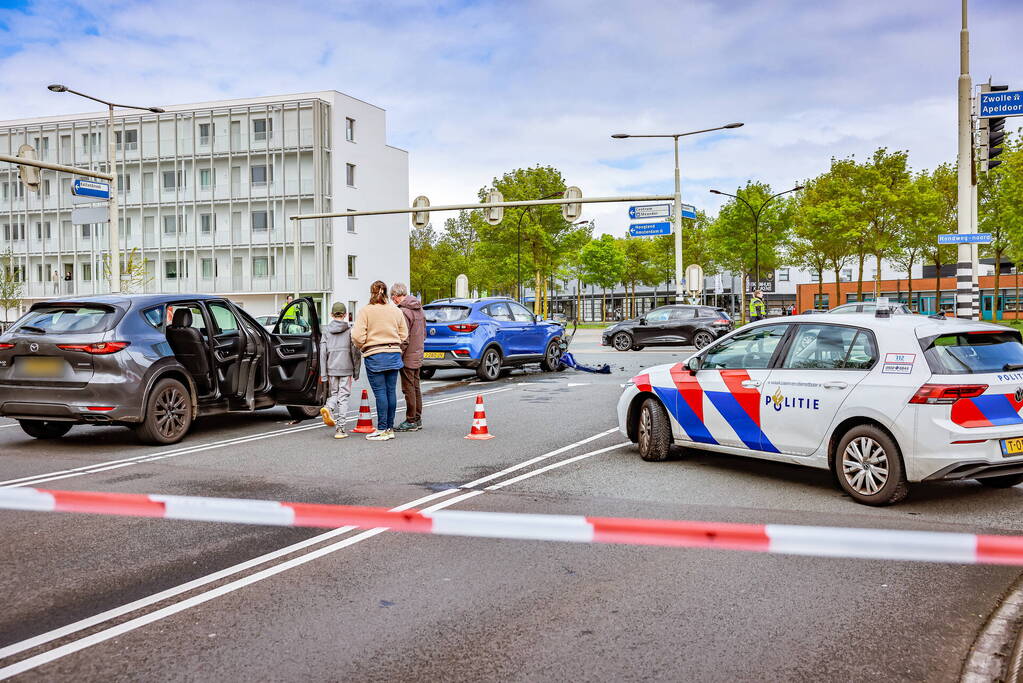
(756,221)
(115,230)
(679,296)
(518,230)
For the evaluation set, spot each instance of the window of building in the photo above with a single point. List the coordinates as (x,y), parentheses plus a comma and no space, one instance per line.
(352,305)
(262,129)
(815,276)
(350,221)
(124,223)
(263,266)
(173,225)
(43,230)
(173,179)
(207,223)
(205,133)
(172,270)
(126,139)
(207,178)
(16,190)
(261,221)
(123,182)
(782,274)
(87,231)
(209,268)
(14,232)
(351,265)
(847,275)
(86,271)
(261,175)
(46,187)
(42,145)
(350,175)
(822,302)
(90,143)
(350,130)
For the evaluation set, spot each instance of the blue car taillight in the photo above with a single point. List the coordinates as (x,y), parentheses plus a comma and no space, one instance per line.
(463,327)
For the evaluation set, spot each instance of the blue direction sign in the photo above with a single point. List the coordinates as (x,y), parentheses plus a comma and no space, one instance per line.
(649,211)
(650,229)
(965,238)
(90,188)
(1005,103)
(689,211)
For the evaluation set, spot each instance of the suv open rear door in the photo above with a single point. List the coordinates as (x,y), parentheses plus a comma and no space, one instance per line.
(295,355)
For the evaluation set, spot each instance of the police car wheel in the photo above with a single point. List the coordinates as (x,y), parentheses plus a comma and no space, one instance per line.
(869,468)
(1004,482)
(622,341)
(702,339)
(653,432)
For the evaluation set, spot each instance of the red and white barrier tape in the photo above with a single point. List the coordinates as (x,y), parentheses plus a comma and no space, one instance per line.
(881,544)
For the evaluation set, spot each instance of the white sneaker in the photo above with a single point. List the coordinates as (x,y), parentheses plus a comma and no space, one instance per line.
(340,433)
(378,435)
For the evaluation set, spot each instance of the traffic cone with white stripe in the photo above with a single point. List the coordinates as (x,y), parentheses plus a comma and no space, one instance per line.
(365,423)
(479,429)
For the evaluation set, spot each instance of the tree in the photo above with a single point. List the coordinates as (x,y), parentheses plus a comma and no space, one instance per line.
(1005,205)
(134,278)
(882,184)
(662,262)
(941,220)
(914,237)
(603,263)
(12,282)
(817,243)
(638,267)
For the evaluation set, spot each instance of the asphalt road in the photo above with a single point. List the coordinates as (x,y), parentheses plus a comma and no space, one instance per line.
(101,598)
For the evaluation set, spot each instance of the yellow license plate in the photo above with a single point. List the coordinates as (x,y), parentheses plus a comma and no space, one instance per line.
(433,354)
(1011,447)
(43,367)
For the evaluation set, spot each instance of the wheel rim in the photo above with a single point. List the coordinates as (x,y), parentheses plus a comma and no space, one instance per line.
(170,411)
(645,428)
(622,342)
(491,364)
(865,465)
(702,339)
(552,355)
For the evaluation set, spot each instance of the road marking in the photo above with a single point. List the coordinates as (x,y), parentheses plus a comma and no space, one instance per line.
(96,468)
(579,384)
(13,425)
(116,612)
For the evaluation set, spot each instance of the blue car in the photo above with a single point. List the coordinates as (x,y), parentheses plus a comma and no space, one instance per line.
(488,335)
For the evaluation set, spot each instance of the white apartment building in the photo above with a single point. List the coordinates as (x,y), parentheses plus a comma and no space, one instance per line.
(206,191)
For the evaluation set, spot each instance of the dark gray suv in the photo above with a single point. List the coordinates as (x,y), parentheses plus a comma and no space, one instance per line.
(154,363)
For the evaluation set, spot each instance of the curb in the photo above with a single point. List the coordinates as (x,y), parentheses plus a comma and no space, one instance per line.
(996,656)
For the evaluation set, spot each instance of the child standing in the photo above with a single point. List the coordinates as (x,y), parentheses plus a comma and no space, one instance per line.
(339,365)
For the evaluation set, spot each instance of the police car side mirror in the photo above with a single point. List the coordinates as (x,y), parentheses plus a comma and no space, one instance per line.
(694,364)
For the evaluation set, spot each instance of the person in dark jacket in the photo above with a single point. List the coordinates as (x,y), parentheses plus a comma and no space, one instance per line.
(339,366)
(411,356)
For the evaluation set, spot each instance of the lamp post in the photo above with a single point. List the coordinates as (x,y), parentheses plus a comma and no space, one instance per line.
(756,221)
(679,295)
(518,230)
(114,231)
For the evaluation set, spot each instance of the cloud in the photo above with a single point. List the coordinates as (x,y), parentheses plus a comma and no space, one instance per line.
(475,88)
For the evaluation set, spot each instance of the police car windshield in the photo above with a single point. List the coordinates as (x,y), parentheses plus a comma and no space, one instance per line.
(975,352)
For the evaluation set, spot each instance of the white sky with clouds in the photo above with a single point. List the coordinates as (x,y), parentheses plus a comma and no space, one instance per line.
(473,89)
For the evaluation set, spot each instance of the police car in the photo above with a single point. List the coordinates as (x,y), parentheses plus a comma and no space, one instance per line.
(880,400)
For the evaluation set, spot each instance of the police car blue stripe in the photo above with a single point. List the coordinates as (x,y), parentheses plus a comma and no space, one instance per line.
(997,409)
(739,420)
(691,424)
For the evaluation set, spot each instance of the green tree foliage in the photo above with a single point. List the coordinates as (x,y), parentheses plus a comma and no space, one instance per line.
(603,264)
(817,242)
(940,220)
(882,184)
(12,283)
(921,203)
(638,268)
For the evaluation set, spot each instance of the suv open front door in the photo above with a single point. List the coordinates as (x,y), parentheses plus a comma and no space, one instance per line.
(295,355)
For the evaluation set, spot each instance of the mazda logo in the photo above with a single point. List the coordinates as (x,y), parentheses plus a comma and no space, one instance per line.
(1019,395)
(33,347)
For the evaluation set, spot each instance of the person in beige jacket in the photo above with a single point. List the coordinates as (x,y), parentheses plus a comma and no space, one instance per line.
(380,329)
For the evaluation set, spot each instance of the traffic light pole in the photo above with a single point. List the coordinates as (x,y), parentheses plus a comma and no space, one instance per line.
(965,304)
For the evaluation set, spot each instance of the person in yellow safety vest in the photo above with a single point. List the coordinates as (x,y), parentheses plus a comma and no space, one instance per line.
(292,321)
(757,308)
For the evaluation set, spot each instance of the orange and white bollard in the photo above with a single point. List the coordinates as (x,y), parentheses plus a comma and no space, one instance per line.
(365,423)
(479,429)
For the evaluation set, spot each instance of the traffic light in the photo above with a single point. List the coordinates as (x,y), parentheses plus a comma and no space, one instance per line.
(995,140)
(29,175)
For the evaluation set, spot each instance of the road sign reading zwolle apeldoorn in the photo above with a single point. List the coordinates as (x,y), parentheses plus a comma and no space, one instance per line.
(1004,103)
(650,229)
(965,238)
(90,188)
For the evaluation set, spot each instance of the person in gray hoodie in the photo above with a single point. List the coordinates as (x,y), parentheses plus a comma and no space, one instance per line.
(340,361)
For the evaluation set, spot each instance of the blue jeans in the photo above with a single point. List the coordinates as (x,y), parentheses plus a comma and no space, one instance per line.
(383,383)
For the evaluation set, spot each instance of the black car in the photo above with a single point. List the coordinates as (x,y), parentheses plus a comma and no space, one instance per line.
(154,363)
(669,326)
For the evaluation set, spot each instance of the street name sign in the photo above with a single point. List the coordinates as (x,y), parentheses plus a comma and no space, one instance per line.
(649,211)
(1004,103)
(90,188)
(965,238)
(86,215)
(650,229)
(689,211)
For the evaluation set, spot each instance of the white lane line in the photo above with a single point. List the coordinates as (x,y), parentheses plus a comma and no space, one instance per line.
(248,564)
(150,457)
(169,610)
(5,426)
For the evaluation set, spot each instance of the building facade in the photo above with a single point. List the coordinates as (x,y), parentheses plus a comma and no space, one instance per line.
(206,191)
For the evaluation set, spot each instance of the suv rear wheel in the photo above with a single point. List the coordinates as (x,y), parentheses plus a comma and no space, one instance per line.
(168,414)
(45,429)
(489,368)
(622,341)
(869,468)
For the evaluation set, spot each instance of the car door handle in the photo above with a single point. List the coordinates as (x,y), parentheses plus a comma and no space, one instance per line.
(836,385)
(750,383)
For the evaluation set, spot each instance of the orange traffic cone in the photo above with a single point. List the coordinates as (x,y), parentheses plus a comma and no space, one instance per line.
(365,423)
(479,422)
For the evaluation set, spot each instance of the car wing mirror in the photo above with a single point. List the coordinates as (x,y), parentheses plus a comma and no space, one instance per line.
(694,364)
(642,321)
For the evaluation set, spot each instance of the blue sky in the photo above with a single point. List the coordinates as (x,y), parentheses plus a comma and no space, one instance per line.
(475,88)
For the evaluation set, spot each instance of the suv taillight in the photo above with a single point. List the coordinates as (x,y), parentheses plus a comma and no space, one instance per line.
(5,345)
(97,349)
(722,321)
(931,394)
(463,327)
